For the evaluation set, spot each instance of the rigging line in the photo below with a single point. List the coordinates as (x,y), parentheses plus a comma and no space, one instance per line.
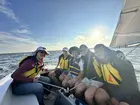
(131,8)
(136,32)
(132,50)
(125,12)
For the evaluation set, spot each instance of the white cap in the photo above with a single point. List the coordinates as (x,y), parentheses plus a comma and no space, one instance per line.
(65,49)
(41,49)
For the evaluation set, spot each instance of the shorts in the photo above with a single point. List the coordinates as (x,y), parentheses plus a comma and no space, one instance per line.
(60,71)
(90,82)
(72,75)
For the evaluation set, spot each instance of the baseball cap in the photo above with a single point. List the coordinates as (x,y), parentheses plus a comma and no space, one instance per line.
(65,49)
(41,49)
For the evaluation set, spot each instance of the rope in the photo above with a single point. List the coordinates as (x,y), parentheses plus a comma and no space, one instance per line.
(45,83)
(132,50)
(80,84)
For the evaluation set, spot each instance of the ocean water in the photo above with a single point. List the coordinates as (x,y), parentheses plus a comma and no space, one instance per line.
(9,62)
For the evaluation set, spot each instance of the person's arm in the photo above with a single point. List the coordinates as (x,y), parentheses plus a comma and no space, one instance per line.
(80,76)
(73,81)
(18,74)
(58,61)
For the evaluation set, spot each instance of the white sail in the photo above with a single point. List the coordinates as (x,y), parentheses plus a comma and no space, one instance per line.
(128,28)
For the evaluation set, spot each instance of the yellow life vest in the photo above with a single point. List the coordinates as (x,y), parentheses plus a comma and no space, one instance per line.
(32,72)
(74,67)
(23,59)
(64,63)
(107,72)
(74,70)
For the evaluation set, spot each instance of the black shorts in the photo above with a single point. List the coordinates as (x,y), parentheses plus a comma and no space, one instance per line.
(58,72)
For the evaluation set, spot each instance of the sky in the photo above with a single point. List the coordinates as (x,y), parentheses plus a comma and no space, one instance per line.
(54,24)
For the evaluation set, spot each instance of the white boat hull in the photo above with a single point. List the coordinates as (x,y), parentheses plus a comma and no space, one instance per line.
(7,98)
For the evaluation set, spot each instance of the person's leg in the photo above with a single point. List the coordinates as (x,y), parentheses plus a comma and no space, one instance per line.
(62,77)
(55,81)
(101,96)
(72,81)
(30,88)
(114,101)
(65,81)
(79,91)
(89,94)
(45,79)
(77,82)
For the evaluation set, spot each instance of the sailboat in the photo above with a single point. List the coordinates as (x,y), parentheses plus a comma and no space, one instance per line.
(127,33)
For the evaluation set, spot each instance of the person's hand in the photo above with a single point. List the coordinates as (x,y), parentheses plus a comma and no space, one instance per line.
(114,101)
(36,79)
(44,71)
(72,82)
(52,74)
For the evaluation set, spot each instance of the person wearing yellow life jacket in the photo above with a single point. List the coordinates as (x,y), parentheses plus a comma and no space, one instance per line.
(75,66)
(88,69)
(64,59)
(117,76)
(90,82)
(25,78)
(63,65)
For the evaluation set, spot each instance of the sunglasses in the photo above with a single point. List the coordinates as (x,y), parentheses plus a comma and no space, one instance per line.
(65,51)
(42,52)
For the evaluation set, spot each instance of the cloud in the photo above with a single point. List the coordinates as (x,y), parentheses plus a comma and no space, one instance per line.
(56,46)
(4,42)
(24,29)
(94,36)
(22,47)
(7,11)
(10,37)
(4,2)
(21,31)
(13,43)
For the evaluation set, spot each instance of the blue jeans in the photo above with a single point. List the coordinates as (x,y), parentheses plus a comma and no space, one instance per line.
(31,88)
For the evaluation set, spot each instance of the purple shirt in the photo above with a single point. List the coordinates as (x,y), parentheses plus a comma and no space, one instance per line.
(24,67)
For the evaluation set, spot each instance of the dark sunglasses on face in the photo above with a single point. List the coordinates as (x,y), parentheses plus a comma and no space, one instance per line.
(64,51)
(42,52)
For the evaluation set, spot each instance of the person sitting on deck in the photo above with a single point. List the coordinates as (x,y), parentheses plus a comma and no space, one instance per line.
(89,82)
(25,78)
(88,71)
(117,76)
(62,67)
(75,67)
